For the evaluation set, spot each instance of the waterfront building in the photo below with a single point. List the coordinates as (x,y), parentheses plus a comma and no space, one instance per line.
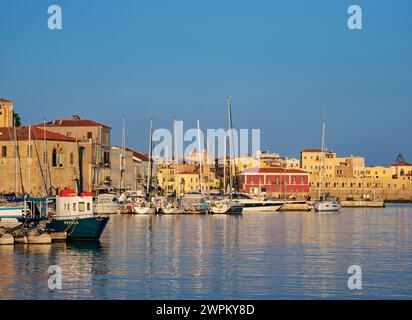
(314,161)
(128,169)
(94,143)
(349,178)
(38,162)
(276,181)
(186,179)
(6,113)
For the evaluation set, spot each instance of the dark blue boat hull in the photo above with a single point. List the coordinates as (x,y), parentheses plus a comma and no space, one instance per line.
(80,229)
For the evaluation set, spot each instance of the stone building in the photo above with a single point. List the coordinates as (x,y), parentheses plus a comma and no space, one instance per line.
(94,146)
(37,162)
(349,178)
(6,113)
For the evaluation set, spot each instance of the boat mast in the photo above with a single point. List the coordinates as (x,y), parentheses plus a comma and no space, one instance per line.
(200,158)
(229,110)
(175,157)
(123,156)
(224,165)
(323,154)
(149,173)
(29,175)
(15,155)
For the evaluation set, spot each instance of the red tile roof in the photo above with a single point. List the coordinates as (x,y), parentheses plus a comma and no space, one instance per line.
(272,170)
(7,134)
(139,155)
(5,100)
(73,123)
(401,164)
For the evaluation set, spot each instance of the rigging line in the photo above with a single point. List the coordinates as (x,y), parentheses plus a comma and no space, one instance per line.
(41,169)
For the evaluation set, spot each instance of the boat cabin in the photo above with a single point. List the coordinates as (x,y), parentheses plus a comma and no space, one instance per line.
(69,204)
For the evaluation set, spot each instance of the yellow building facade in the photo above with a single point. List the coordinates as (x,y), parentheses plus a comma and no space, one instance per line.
(187,179)
(349,178)
(6,113)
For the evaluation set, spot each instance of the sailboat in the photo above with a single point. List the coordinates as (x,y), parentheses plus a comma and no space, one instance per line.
(172,205)
(144,204)
(323,204)
(227,205)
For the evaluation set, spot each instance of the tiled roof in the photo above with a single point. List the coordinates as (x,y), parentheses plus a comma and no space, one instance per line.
(73,123)
(272,170)
(401,164)
(139,155)
(5,100)
(7,134)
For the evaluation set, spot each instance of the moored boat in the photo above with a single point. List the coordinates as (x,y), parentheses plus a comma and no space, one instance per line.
(225,206)
(74,215)
(256,205)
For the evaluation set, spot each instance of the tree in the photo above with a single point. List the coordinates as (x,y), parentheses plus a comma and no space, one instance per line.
(17,120)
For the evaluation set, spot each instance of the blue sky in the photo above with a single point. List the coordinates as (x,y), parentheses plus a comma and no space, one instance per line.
(280,60)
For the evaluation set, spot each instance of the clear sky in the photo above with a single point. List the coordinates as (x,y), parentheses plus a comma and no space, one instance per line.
(280,60)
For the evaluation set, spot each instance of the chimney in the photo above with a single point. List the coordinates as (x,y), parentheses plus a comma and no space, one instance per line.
(75,117)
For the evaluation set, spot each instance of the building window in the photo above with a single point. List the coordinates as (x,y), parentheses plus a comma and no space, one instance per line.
(277,180)
(302,180)
(54,158)
(71,158)
(89,135)
(60,159)
(4,151)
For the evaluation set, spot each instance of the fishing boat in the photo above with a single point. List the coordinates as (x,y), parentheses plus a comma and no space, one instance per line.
(324,204)
(74,215)
(69,213)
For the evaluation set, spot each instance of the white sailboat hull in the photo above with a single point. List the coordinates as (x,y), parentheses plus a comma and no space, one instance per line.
(327,206)
(173,210)
(144,210)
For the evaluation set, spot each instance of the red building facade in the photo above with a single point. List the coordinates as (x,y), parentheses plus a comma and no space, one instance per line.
(274,181)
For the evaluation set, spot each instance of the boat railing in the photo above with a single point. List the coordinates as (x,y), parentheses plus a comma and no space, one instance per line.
(74,217)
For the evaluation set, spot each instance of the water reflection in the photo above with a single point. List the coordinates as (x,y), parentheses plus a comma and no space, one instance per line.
(256,256)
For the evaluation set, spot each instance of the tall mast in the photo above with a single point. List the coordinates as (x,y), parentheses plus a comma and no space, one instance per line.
(322,172)
(149,172)
(123,157)
(229,111)
(174,156)
(224,165)
(200,157)
(30,155)
(15,154)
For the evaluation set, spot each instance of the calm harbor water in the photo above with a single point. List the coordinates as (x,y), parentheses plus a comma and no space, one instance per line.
(255,256)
